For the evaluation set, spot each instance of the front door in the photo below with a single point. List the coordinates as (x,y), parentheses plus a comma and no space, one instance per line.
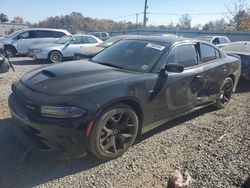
(180,90)
(25,41)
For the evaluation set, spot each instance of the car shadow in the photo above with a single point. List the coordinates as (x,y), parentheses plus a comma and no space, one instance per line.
(243,86)
(175,122)
(16,61)
(246,184)
(34,170)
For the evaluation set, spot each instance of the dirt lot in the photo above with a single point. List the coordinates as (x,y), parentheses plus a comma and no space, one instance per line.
(213,146)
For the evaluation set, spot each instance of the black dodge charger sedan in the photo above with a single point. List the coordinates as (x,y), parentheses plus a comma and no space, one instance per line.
(133,86)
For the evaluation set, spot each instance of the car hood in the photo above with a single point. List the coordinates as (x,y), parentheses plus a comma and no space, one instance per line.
(74,78)
(90,51)
(42,46)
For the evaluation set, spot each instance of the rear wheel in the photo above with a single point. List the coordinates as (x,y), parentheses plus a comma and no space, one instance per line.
(55,57)
(114,132)
(225,93)
(10,50)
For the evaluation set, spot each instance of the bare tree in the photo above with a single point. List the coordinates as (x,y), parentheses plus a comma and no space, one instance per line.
(3,18)
(217,25)
(236,13)
(185,21)
(18,20)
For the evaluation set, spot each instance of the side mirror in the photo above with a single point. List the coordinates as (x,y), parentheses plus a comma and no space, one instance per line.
(174,67)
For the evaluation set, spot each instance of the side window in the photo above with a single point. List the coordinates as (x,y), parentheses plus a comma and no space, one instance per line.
(26,35)
(58,34)
(43,34)
(223,40)
(208,53)
(216,41)
(76,40)
(184,54)
(88,40)
(104,34)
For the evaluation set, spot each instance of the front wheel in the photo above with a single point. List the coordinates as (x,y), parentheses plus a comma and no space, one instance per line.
(114,132)
(55,57)
(225,93)
(10,51)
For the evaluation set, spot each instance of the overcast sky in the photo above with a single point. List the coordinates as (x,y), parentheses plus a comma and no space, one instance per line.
(118,10)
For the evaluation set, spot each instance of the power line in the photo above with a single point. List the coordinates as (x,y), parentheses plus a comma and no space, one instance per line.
(125,16)
(172,14)
(192,14)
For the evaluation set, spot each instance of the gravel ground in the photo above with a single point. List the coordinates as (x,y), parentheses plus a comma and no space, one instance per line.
(213,146)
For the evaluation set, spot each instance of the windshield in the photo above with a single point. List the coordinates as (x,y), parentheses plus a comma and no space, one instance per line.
(63,39)
(135,55)
(109,42)
(13,34)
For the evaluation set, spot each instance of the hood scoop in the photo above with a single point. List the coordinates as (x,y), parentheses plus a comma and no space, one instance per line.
(48,73)
(41,76)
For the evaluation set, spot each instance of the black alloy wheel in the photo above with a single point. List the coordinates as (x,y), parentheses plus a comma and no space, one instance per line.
(225,93)
(114,132)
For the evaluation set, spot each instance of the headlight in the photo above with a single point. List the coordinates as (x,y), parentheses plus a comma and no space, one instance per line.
(62,112)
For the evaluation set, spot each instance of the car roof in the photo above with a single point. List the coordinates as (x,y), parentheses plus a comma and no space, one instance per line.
(46,29)
(163,39)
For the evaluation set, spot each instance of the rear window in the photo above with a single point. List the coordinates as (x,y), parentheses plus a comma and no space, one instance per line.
(58,34)
(104,34)
(223,40)
(208,53)
(43,34)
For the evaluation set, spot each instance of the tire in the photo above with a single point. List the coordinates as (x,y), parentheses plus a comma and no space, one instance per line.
(55,57)
(225,93)
(10,50)
(114,132)
(4,67)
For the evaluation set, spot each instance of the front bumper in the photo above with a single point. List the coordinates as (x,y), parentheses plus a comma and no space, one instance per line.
(51,137)
(38,55)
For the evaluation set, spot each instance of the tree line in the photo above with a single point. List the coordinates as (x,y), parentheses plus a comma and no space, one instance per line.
(237,19)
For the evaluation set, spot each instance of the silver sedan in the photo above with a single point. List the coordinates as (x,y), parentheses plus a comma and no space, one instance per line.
(64,47)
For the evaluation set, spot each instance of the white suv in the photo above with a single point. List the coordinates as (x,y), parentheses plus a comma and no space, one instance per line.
(20,41)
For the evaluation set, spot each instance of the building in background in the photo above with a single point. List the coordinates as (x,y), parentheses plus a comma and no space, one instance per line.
(7,28)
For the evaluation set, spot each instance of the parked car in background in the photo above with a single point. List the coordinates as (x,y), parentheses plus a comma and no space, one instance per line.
(20,41)
(242,49)
(219,41)
(90,52)
(65,47)
(127,89)
(101,35)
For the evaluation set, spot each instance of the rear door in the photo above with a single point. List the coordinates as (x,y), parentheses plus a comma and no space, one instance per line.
(44,36)
(180,91)
(215,72)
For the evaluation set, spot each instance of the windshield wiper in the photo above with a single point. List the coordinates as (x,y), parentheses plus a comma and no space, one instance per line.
(111,65)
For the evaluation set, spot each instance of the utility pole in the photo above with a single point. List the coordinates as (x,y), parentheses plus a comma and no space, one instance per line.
(145,13)
(136,20)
